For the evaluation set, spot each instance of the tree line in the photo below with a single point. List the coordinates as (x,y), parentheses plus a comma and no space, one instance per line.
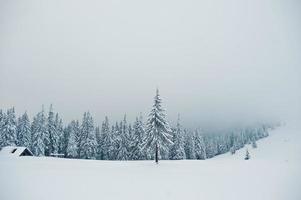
(46,135)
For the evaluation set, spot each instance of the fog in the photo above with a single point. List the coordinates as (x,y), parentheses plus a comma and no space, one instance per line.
(215,62)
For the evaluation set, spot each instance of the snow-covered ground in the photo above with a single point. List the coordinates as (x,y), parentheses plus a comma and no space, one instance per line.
(272,173)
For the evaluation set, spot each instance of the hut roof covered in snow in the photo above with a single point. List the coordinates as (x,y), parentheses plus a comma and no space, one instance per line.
(15,151)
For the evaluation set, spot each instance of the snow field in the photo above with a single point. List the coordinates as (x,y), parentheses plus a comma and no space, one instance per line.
(272,173)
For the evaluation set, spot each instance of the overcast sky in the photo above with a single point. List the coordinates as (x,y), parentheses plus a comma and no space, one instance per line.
(213,61)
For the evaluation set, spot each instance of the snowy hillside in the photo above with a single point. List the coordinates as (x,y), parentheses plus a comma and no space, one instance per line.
(272,173)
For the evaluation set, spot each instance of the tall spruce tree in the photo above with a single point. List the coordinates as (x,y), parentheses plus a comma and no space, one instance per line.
(24,131)
(9,128)
(211,145)
(158,137)
(99,142)
(130,141)
(247,156)
(107,141)
(74,142)
(122,152)
(138,153)
(88,136)
(200,147)
(51,138)
(61,137)
(125,140)
(38,129)
(222,144)
(177,151)
(64,141)
(189,146)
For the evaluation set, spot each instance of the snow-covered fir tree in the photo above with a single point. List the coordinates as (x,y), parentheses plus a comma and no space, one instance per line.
(114,141)
(200,147)
(99,143)
(124,126)
(158,137)
(247,156)
(138,153)
(64,141)
(9,128)
(232,150)
(74,142)
(210,145)
(24,131)
(240,139)
(124,140)
(107,141)
(189,145)
(1,127)
(51,138)
(130,141)
(122,152)
(60,134)
(177,151)
(38,130)
(88,137)
(222,144)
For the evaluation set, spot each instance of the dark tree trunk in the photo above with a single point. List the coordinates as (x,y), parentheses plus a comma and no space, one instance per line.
(156,156)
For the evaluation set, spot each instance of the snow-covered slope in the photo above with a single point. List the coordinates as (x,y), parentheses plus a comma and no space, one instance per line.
(272,173)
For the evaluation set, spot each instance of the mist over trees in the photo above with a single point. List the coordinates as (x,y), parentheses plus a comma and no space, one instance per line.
(46,135)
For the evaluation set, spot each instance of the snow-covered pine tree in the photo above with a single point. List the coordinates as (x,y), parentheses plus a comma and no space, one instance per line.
(51,138)
(211,145)
(158,136)
(124,126)
(74,142)
(265,129)
(120,141)
(88,136)
(247,157)
(18,132)
(130,142)
(107,141)
(139,133)
(122,153)
(200,147)
(125,140)
(177,151)
(234,145)
(24,131)
(232,150)
(114,141)
(236,142)
(189,146)
(1,126)
(239,140)
(38,130)
(222,144)
(99,142)
(9,128)
(259,132)
(227,142)
(46,138)
(61,137)
(64,141)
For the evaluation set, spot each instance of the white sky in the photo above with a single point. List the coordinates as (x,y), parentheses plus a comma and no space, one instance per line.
(213,61)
